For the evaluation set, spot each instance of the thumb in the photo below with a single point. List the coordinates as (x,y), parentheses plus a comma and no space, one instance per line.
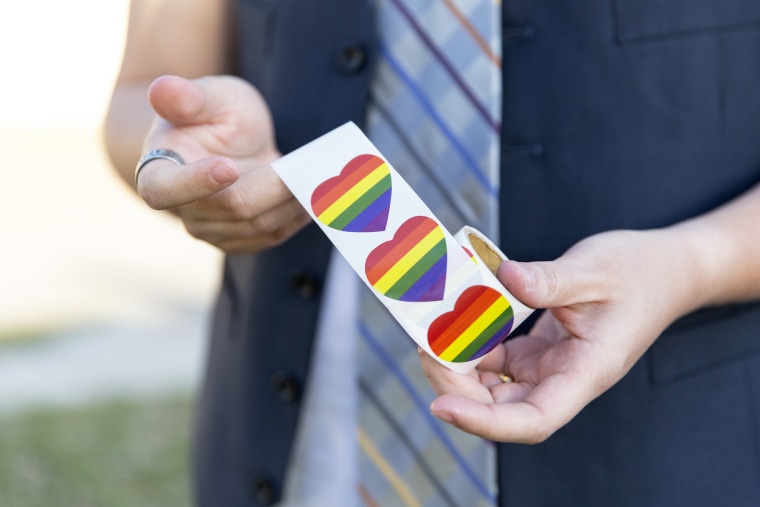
(183,101)
(548,284)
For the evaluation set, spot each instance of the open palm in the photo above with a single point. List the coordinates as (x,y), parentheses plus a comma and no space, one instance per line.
(609,298)
(226,194)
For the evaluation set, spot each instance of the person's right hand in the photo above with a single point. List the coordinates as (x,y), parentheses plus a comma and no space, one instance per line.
(226,194)
(609,297)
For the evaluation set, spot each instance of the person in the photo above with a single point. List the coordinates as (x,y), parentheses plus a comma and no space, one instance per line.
(635,221)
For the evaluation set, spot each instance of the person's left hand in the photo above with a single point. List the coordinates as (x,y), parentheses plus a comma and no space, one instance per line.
(610,297)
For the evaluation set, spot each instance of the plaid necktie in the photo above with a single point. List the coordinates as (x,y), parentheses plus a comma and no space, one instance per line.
(435,113)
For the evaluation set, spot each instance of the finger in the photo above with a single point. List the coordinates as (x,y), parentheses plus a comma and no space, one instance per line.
(530,359)
(494,361)
(444,380)
(256,192)
(510,392)
(264,241)
(544,410)
(515,422)
(549,284)
(163,184)
(185,102)
(490,379)
(264,224)
(504,359)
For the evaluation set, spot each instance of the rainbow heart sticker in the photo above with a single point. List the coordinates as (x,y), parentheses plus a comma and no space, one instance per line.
(411,266)
(358,199)
(482,318)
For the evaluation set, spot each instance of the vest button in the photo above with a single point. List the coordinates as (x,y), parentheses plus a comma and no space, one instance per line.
(287,386)
(263,491)
(304,285)
(535,150)
(350,57)
(514,33)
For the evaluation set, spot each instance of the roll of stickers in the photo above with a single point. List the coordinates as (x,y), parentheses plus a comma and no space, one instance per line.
(484,314)
(441,289)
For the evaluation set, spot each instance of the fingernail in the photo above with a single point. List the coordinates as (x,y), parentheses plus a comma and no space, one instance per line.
(443,416)
(529,277)
(222,174)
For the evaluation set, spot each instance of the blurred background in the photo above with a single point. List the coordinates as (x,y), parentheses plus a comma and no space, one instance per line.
(104,303)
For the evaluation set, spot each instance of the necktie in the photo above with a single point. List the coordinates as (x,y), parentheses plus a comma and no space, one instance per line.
(434,113)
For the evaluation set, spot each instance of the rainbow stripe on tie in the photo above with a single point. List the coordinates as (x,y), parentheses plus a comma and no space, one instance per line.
(412,266)
(357,200)
(482,318)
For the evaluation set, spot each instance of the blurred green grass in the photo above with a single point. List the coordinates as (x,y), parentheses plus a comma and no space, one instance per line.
(120,453)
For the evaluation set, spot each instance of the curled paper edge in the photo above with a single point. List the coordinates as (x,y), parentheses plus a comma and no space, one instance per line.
(488,256)
(465,341)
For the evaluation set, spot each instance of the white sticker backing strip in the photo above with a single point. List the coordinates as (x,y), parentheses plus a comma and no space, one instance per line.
(438,287)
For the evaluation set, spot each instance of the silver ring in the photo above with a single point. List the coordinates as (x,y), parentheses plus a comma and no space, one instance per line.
(158,153)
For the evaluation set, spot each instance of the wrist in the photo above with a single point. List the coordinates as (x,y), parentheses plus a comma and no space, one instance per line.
(697,252)
(680,271)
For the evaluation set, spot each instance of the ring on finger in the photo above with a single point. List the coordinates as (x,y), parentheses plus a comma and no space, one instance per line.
(159,153)
(506,378)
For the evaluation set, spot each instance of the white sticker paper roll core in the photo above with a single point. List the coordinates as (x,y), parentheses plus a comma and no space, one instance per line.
(437,286)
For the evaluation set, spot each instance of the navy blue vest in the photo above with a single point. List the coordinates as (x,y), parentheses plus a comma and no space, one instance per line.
(617,114)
